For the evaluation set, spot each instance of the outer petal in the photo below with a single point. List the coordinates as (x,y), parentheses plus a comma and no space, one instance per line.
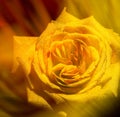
(24,49)
(66,18)
(38,100)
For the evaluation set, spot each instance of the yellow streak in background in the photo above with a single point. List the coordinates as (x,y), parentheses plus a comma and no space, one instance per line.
(6,44)
(105,11)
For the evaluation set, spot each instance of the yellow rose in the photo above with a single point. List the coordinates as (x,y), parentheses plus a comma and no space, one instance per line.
(73,62)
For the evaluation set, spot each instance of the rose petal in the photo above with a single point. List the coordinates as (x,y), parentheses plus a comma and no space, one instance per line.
(24,49)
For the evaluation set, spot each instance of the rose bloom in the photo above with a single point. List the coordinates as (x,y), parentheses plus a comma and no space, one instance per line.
(72,68)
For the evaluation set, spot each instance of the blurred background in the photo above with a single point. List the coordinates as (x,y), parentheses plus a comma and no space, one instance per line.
(30,18)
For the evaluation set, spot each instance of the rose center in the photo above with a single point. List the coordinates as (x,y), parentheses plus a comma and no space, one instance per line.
(70,52)
(69,58)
